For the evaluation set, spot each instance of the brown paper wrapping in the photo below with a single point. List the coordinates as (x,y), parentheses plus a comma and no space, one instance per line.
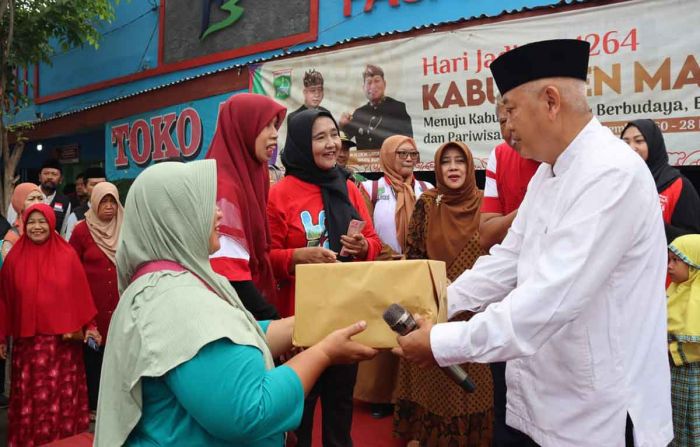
(333,296)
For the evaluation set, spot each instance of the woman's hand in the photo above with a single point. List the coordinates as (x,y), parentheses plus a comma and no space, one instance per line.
(339,348)
(313,255)
(3,351)
(73,336)
(95,336)
(335,348)
(356,245)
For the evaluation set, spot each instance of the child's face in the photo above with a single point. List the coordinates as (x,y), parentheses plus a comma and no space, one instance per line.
(678,270)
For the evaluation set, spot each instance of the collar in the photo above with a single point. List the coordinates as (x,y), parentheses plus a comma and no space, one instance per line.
(49,199)
(566,158)
(378,103)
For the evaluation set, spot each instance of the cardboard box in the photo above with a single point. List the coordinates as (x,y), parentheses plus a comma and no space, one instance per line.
(332,296)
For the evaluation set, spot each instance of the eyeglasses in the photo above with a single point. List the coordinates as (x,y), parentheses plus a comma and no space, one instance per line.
(403,155)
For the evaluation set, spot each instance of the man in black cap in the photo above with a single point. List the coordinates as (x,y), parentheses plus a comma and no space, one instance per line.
(50,177)
(574,297)
(380,118)
(313,93)
(93,176)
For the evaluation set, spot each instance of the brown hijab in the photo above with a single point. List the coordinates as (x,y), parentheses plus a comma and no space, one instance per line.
(105,234)
(455,217)
(405,197)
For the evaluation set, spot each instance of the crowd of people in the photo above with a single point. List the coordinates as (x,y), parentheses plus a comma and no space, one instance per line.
(556,307)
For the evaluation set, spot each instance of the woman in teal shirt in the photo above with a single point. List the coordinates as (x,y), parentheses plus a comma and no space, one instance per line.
(187,365)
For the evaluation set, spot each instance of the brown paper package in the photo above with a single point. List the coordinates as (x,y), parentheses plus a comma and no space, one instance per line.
(333,296)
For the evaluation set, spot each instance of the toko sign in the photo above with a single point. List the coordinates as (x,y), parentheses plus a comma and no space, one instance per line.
(180,132)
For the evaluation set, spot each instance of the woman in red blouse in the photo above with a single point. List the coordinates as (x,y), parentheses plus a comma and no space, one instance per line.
(309,211)
(95,241)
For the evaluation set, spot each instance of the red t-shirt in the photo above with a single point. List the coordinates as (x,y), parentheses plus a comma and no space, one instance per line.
(297,219)
(507,177)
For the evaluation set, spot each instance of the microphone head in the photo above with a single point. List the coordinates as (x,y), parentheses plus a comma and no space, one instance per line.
(399,319)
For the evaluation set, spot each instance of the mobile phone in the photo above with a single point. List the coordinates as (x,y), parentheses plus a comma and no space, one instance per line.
(92,344)
(354,227)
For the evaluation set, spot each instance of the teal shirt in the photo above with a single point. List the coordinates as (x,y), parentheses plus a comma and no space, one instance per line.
(221,397)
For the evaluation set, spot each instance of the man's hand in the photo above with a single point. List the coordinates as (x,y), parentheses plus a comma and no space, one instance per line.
(345,118)
(415,347)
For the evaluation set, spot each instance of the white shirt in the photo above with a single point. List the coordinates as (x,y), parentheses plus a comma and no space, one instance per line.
(574,300)
(70,223)
(385,209)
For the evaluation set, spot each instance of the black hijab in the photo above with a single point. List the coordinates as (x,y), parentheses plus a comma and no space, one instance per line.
(298,160)
(657,160)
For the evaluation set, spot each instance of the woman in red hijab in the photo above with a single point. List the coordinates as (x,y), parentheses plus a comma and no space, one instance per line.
(244,142)
(47,308)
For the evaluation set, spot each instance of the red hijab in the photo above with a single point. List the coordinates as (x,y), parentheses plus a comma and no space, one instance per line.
(43,287)
(243,182)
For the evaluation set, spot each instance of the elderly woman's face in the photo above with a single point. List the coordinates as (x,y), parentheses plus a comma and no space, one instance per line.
(32,198)
(107,208)
(37,228)
(325,142)
(405,160)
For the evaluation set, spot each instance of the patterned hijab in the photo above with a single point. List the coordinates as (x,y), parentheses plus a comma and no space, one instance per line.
(164,318)
(405,196)
(19,195)
(455,218)
(105,234)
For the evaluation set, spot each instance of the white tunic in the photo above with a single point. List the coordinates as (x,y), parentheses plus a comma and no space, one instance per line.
(385,209)
(576,302)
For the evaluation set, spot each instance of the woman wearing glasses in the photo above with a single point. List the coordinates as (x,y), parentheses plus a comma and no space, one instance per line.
(394,195)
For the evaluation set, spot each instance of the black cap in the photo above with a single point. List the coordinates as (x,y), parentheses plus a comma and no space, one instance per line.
(51,163)
(94,172)
(566,58)
(346,141)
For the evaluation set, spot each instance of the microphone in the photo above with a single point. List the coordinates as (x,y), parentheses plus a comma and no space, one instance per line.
(402,322)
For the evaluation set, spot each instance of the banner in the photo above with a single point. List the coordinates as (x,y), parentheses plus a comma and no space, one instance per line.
(438,86)
(181,132)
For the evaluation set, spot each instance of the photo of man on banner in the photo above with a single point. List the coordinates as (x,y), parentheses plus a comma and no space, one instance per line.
(380,118)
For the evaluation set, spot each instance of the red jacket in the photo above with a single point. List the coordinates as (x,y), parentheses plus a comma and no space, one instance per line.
(101,275)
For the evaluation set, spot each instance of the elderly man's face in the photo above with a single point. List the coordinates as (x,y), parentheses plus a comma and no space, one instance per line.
(525,121)
(313,95)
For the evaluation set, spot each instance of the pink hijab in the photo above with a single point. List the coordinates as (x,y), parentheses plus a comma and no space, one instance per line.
(19,195)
